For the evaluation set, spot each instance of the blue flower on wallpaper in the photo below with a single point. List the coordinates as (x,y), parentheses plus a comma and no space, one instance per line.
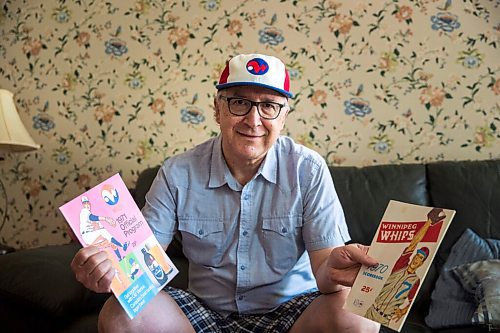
(381,147)
(210,5)
(271,36)
(61,14)
(294,73)
(470,58)
(116,47)
(357,106)
(471,62)
(61,155)
(445,21)
(192,115)
(43,122)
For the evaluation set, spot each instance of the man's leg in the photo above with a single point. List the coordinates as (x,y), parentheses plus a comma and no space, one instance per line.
(161,314)
(325,314)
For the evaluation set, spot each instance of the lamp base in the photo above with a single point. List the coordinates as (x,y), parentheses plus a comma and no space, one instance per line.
(4,249)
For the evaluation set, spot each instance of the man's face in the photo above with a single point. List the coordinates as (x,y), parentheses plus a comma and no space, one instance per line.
(417,261)
(248,137)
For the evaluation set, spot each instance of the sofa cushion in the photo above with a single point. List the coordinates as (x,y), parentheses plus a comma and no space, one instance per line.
(365,193)
(452,305)
(43,279)
(472,188)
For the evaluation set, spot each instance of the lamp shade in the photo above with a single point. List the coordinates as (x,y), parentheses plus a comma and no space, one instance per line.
(13,135)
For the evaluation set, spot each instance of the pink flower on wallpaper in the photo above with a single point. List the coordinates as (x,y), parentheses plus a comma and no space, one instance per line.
(32,186)
(158,105)
(432,95)
(341,23)
(234,27)
(83,38)
(83,181)
(178,36)
(318,97)
(104,113)
(404,13)
(32,46)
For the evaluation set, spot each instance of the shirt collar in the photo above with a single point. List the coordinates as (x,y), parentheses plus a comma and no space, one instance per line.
(269,167)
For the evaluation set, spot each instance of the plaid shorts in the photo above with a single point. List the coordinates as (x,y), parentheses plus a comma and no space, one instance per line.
(204,320)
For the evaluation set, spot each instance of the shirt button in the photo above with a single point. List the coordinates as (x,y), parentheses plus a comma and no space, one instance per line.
(242,267)
(246,197)
(284,230)
(200,232)
(245,233)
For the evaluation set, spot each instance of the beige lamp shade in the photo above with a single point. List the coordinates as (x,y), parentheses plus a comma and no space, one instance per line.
(13,135)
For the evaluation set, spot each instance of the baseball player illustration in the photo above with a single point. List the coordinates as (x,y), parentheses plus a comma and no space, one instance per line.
(398,292)
(94,233)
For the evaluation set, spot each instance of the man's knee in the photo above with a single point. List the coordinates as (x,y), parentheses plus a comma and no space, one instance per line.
(111,316)
(330,317)
(161,314)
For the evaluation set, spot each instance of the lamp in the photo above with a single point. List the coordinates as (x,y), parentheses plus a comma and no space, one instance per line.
(14,138)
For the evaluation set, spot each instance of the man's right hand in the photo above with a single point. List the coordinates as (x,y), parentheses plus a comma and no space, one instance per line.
(93,269)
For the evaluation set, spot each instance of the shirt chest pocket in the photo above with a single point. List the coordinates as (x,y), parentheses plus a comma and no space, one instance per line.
(282,241)
(201,240)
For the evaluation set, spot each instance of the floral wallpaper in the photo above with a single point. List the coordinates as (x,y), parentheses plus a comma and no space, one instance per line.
(118,86)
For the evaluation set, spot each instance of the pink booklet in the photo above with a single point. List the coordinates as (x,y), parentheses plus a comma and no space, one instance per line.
(404,245)
(107,216)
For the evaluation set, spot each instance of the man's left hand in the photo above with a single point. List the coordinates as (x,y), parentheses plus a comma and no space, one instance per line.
(344,263)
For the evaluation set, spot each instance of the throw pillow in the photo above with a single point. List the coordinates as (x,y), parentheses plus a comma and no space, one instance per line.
(451,305)
(482,280)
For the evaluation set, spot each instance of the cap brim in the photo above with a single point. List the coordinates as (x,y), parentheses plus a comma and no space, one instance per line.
(234,84)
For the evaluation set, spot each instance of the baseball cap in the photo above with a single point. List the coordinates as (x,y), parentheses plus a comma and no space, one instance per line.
(256,70)
(85,199)
(423,251)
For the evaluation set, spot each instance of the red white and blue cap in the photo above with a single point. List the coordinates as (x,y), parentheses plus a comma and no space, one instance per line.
(256,70)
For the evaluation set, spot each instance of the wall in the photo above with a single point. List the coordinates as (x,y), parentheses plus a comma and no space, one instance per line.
(118,86)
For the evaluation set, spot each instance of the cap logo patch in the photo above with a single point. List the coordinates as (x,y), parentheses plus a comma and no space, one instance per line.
(257,66)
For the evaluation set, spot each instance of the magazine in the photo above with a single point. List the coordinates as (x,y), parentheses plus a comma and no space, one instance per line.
(107,216)
(404,245)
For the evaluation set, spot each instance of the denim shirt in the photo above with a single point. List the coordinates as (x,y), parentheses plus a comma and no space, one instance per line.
(246,245)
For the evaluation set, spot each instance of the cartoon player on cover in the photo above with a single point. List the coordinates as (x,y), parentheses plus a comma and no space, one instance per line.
(134,268)
(94,233)
(403,282)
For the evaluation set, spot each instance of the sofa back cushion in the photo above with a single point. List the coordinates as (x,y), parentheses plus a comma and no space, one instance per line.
(365,193)
(472,188)
(143,184)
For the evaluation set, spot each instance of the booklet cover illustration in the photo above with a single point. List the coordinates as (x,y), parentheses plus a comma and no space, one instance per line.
(404,245)
(106,216)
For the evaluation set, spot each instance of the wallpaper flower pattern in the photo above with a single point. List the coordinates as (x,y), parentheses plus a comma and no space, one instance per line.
(118,86)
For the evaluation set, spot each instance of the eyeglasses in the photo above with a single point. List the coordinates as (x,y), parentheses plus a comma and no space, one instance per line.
(241,107)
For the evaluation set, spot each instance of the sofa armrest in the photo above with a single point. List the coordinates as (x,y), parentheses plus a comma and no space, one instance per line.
(42,279)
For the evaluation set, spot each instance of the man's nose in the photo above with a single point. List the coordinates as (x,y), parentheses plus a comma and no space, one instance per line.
(253,117)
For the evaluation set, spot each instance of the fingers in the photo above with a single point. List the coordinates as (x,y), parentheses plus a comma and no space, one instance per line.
(348,255)
(93,269)
(359,254)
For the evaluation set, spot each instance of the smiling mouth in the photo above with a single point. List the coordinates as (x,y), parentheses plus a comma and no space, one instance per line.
(250,135)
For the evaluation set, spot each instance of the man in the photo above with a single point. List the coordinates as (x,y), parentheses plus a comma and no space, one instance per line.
(261,225)
(402,285)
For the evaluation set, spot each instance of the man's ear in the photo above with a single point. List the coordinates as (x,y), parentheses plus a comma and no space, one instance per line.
(284,118)
(216,110)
